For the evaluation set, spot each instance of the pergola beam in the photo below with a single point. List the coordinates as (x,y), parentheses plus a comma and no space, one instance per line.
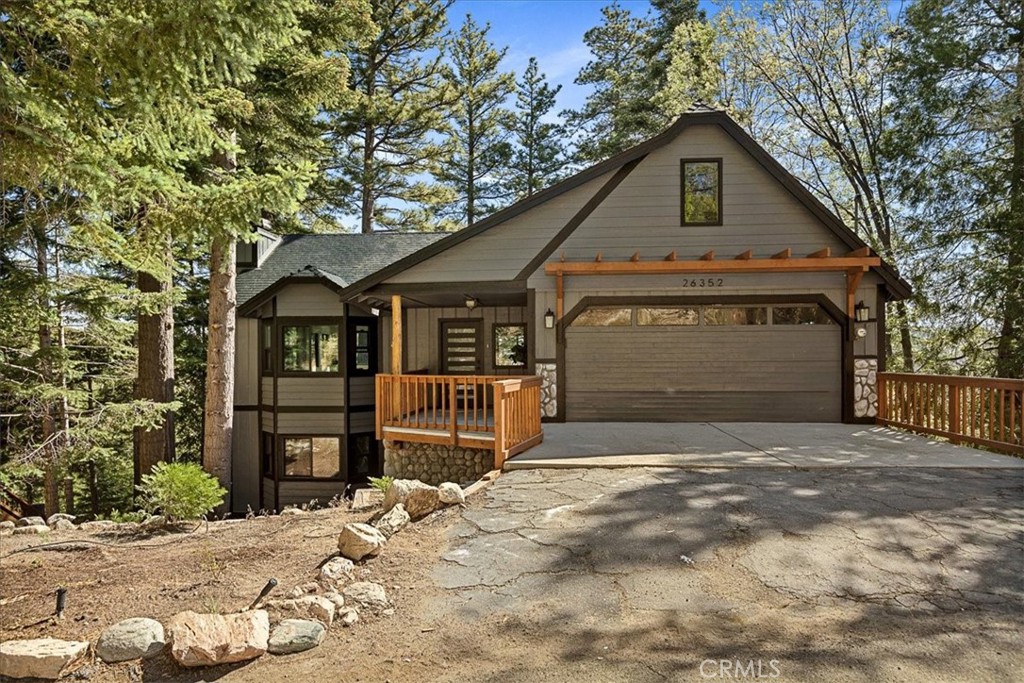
(662,267)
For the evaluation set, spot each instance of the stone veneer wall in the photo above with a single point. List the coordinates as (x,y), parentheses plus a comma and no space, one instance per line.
(548,389)
(865,387)
(434,463)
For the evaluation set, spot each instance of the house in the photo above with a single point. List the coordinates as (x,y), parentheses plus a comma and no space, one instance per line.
(690,278)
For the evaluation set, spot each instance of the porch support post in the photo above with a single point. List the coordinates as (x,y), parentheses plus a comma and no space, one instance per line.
(853,278)
(559,296)
(396,334)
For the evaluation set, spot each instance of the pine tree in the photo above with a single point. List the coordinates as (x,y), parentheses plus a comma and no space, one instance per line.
(538,157)
(383,144)
(478,135)
(668,16)
(694,72)
(618,113)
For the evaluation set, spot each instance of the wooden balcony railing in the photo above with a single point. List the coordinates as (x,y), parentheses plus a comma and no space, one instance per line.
(499,413)
(981,411)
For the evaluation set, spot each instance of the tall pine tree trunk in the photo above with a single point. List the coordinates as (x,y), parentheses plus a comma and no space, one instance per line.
(367,183)
(220,353)
(155,378)
(48,428)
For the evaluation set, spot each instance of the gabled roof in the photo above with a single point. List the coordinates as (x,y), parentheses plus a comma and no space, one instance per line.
(697,115)
(336,260)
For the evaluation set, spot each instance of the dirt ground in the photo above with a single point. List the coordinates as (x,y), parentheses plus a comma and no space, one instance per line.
(598,575)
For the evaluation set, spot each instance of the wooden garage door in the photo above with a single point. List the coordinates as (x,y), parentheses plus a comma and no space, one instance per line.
(704,363)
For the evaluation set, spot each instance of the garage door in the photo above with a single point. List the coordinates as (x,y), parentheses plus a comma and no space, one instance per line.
(779,363)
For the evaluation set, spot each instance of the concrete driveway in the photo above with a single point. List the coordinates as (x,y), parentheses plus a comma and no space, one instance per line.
(655,574)
(745,444)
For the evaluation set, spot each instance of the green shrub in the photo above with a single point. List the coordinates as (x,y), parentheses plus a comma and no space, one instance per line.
(180,491)
(381,483)
(127,516)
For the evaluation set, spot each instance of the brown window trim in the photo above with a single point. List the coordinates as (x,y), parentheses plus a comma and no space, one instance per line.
(297,321)
(279,456)
(682,191)
(494,344)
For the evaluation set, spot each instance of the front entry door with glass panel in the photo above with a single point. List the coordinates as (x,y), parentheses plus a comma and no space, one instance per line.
(462,347)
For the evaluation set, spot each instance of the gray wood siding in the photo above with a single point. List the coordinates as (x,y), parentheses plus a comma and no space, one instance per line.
(310,423)
(245,461)
(268,390)
(362,422)
(501,252)
(247,362)
(308,300)
(361,391)
(267,425)
(268,494)
(311,391)
(423,336)
(688,374)
(299,493)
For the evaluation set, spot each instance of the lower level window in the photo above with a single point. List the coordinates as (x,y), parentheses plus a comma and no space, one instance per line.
(312,456)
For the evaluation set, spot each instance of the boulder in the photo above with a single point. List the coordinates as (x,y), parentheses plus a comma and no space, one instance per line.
(348,616)
(366,594)
(399,490)
(292,512)
(63,525)
(450,494)
(98,525)
(40,658)
(421,501)
(32,529)
(210,639)
(52,519)
(316,607)
(336,570)
(393,521)
(6,525)
(364,499)
(358,540)
(135,638)
(31,521)
(295,635)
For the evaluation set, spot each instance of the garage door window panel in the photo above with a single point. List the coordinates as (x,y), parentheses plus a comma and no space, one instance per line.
(800,315)
(736,315)
(605,317)
(667,317)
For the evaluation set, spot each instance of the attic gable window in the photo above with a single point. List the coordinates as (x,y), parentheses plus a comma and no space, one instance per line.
(701,191)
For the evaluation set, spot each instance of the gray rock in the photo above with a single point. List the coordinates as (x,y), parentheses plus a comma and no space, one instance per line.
(348,616)
(211,639)
(47,658)
(63,525)
(98,525)
(393,521)
(336,570)
(154,521)
(295,635)
(422,501)
(316,607)
(135,638)
(367,594)
(6,525)
(292,512)
(31,521)
(399,490)
(337,598)
(364,499)
(33,529)
(451,494)
(358,540)
(52,519)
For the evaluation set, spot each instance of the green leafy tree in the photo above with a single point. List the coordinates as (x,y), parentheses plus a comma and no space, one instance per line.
(538,157)
(478,133)
(668,16)
(695,69)
(385,143)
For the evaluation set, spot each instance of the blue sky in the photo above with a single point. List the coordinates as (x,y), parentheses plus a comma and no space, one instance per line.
(550,30)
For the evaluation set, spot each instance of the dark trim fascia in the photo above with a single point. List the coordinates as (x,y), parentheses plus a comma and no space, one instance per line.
(276,382)
(253,304)
(580,216)
(531,331)
(346,409)
(281,410)
(880,329)
(494,286)
(900,288)
(246,408)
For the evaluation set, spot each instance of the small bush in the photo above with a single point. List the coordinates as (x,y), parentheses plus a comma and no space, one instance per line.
(127,516)
(381,483)
(180,491)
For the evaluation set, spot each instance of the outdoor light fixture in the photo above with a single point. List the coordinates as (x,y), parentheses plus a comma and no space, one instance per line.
(861,313)
(861,332)
(471,302)
(549,319)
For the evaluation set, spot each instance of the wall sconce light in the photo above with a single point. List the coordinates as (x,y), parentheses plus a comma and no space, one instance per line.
(861,332)
(861,313)
(549,319)
(471,302)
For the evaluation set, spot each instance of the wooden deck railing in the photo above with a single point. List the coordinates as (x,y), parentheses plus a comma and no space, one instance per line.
(481,411)
(516,417)
(982,411)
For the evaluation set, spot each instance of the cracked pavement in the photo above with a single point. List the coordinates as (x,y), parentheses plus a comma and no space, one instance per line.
(898,571)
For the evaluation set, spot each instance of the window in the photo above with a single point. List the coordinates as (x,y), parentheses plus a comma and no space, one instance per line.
(318,457)
(510,346)
(362,343)
(667,316)
(310,348)
(604,317)
(267,454)
(800,315)
(702,192)
(736,316)
(267,347)
(362,457)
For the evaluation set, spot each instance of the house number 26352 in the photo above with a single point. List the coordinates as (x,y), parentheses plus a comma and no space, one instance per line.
(703,282)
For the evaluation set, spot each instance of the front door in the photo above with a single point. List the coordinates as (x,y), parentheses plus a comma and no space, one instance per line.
(462,347)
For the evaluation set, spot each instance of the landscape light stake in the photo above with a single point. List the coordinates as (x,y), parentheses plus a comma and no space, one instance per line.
(62,595)
(263,593)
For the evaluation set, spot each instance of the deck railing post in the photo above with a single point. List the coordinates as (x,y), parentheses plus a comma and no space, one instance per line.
(955,425)
(453,407)
(499,425)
